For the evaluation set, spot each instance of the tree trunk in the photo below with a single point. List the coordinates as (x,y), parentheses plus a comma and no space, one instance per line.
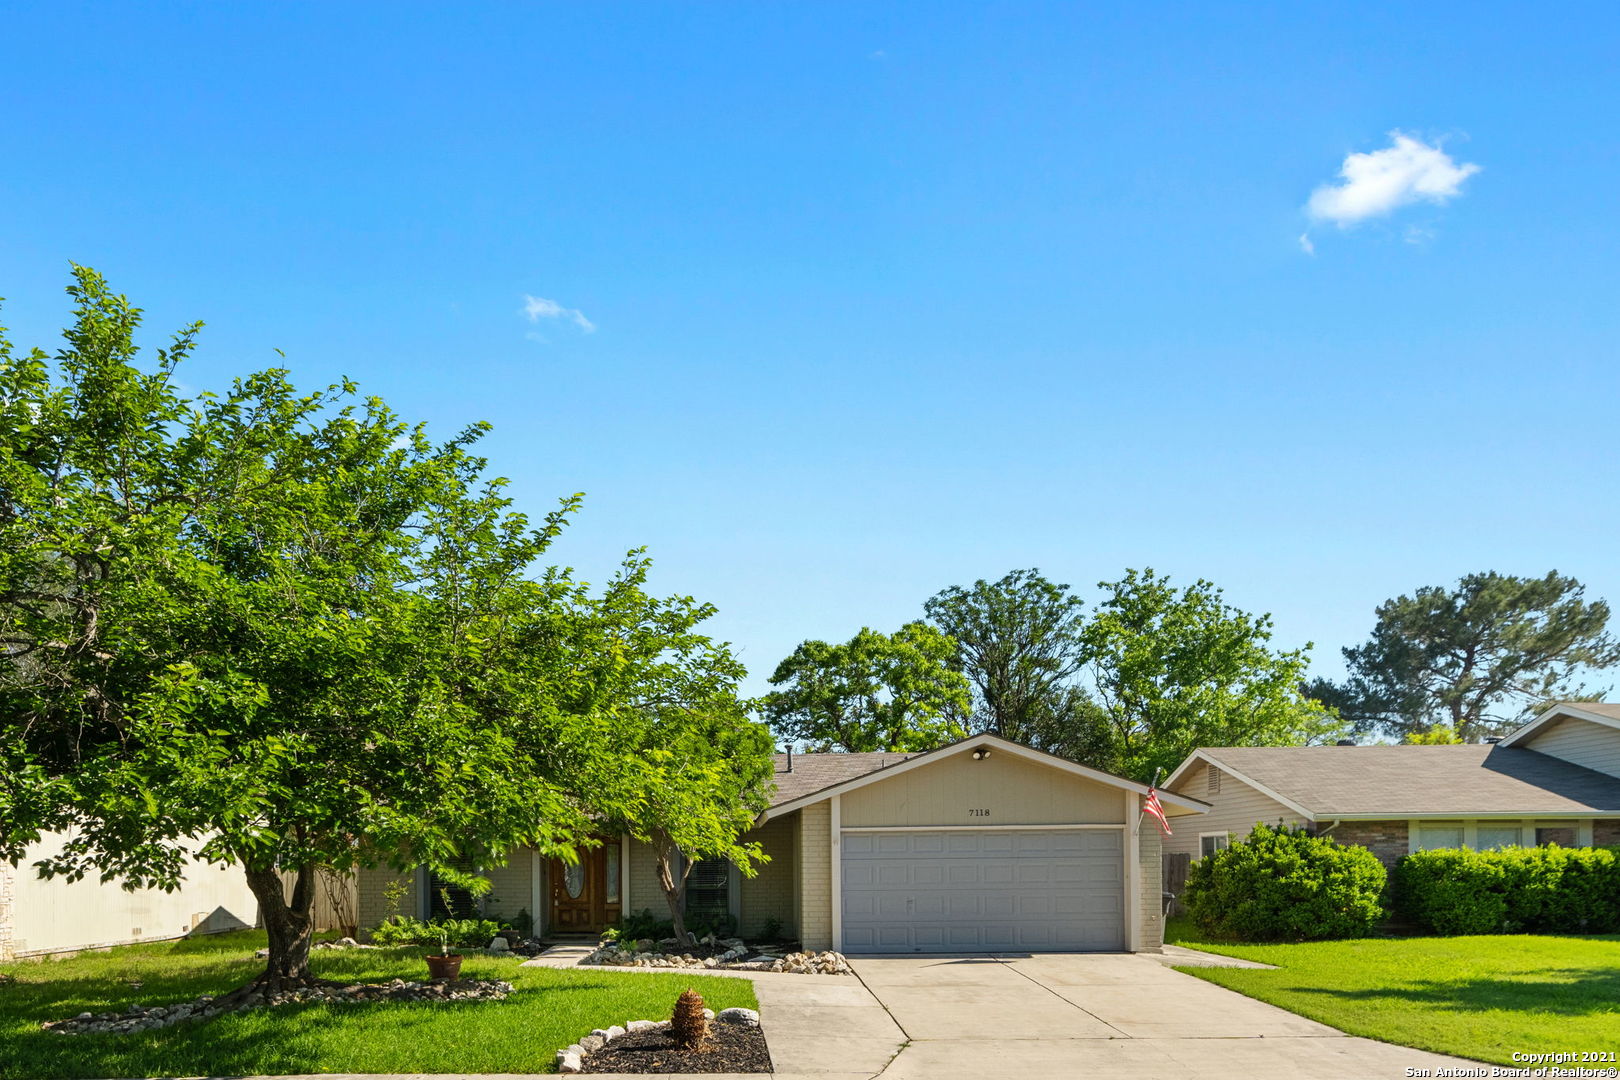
(289,925)
(673,889)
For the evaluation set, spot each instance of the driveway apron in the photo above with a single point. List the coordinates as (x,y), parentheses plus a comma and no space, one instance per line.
(1101,1016)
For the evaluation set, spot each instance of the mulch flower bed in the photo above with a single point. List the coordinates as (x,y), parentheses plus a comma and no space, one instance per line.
(730,1048)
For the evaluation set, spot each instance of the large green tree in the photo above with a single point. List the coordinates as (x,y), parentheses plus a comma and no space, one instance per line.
(699,767)
(1477,657)
(1175,669)
(874,692)
(1018,640)
(286,632)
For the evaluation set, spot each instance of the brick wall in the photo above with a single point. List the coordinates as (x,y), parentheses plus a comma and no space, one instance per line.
(645,894)
(511,886)
(1385,839)
(1150,876)
(815,898)
(769,894)
(373,905)
(1606,833)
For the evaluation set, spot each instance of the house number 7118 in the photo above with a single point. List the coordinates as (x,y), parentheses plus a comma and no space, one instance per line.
(978,813)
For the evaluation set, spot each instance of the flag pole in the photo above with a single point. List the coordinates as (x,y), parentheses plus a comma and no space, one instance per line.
(1141,810)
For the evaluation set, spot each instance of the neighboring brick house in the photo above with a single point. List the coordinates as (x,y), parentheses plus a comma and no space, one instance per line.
(981,846)
(1555,780)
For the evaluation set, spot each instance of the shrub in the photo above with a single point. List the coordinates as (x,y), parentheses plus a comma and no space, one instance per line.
(644,924)
(463,933)
(1284,884)
(1550,889)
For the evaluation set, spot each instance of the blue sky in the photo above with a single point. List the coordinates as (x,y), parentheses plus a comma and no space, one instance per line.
(844,304)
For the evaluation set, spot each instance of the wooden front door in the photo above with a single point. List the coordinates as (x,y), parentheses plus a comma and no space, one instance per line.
(585,895)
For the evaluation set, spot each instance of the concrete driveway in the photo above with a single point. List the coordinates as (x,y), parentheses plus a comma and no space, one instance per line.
(1082,1015)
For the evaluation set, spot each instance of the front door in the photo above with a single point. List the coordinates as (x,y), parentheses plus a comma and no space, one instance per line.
(585,894)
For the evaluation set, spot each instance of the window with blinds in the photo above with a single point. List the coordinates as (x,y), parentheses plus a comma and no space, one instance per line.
(708,889)
(450,901)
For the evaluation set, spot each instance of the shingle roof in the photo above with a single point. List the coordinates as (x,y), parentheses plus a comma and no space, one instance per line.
(1415,781)
(1610,709)
(812,772)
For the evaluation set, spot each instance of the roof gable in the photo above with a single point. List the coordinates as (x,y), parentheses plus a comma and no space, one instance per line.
(870,770)
(1601,713)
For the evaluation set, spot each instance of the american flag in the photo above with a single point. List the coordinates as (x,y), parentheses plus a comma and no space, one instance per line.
(1151,806)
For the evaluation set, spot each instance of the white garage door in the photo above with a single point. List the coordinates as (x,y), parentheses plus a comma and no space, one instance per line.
(983,891)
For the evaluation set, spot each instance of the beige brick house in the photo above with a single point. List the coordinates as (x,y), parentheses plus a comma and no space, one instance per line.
(982,846)
(1555,780)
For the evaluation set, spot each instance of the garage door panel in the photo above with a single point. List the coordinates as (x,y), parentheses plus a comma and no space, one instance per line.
(959,891)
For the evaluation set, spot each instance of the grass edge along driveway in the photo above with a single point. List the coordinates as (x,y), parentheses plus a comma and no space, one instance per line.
(1481,997)
(547,1010)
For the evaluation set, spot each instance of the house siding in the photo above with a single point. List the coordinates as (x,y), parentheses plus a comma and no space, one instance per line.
(770,893)
(1013,791)
(1149,851)
(1580,742)
(1386,839)
(1235,809)
(40,917)
(814,893)
(1606,833)
(7,907)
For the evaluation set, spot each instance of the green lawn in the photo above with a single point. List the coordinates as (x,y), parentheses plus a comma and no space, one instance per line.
(549,1009)
(1476,997)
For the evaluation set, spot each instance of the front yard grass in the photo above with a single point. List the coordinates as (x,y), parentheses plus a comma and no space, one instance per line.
(1479,997)
(521,1034)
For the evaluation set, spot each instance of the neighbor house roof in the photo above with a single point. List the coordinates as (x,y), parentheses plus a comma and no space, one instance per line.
(820,776)
(1416,781)
(800,774)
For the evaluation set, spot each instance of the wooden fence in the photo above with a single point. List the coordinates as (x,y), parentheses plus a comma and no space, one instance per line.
(1175,865)
(337,900)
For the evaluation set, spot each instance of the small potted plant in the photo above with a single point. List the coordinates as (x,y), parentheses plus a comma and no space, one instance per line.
(446,965)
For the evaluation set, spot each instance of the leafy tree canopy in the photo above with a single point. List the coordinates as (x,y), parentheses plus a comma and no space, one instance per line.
(288,631)
(1175,669)
(1018,640)
(874,692)
(1478,658)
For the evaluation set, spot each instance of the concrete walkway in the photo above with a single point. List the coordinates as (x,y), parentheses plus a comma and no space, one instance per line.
(1103,1016)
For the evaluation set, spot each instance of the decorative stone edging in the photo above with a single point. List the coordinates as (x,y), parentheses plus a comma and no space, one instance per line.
(613,954)
(139,1018)
(571,1059)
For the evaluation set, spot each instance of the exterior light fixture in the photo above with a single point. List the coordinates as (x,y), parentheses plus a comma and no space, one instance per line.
(981,754)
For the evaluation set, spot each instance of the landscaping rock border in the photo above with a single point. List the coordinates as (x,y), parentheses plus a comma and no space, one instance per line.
(150,1018)
(571,1058)
(735,957)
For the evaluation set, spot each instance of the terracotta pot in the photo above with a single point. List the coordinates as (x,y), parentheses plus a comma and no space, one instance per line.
(447,966)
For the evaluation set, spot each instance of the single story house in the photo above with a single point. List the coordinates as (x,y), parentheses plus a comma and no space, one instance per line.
(981,846)
(1556,780)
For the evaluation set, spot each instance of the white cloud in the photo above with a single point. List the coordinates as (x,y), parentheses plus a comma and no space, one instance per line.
(537,308)
(1409,170)
(1305,244)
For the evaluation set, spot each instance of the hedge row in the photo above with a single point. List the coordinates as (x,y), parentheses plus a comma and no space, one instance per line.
(1550,889)
(1284,884)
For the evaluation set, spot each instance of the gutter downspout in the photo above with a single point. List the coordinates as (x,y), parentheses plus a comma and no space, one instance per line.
(1330,828)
